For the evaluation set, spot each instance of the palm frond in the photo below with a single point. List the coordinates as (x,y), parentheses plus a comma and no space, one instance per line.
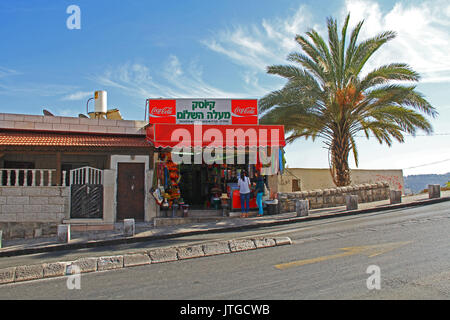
(367,48)
(386,73)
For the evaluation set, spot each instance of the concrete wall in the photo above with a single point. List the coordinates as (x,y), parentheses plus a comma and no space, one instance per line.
(311,179)
(109,196)
(32,211)
(334,197)
(70,124)
(20,206)
(53,208)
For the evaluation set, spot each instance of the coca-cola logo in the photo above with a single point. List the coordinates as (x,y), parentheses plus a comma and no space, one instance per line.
(243,111)
(162,111)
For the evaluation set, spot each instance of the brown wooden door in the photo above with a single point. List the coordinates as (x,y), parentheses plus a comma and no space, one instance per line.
(130,191)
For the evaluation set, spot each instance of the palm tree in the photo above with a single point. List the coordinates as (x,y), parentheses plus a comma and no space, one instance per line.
(328,97)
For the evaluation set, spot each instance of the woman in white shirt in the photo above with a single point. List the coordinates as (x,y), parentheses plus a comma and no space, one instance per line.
(244,190)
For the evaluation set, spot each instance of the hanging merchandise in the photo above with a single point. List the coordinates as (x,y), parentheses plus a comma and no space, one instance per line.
(258,165)
(282,160)
(166,180)
(266,195)
(173,178)
(270,168)
(160,173)
(264,168)
(168,175)
(274,163)
(158,196)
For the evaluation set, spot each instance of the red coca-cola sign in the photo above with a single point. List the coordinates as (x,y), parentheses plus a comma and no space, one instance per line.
(244,112)
(162,111)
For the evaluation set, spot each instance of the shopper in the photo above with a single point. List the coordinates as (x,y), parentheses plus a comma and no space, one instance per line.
(259,189)
(244,190)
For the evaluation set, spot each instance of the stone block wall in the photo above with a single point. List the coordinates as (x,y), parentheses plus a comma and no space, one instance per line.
(315,178)
(70,124)
(325,198)
(27,212)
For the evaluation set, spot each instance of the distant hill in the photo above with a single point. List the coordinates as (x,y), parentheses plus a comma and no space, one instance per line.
(417,183)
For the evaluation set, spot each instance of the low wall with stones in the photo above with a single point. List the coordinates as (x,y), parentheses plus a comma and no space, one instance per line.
(136,258)
(335,197)
(27,212)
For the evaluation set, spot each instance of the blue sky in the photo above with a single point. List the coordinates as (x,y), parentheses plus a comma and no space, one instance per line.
(140,49)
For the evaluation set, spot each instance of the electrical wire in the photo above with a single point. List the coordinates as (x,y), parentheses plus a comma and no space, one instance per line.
(410,135)
(427,164)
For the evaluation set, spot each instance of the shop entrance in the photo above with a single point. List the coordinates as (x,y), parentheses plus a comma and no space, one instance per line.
(192,186)
(200,184)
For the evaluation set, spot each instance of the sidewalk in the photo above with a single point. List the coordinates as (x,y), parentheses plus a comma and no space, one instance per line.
(146,232)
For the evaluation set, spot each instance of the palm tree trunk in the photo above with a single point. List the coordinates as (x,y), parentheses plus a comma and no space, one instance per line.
(340,171)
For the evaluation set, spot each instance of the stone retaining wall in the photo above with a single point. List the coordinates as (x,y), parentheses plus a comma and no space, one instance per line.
(27,212)
(335,197)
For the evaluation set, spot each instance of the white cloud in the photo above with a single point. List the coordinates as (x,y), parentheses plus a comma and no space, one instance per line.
(423,37)
(173,81)
(254,47)
(6,72)
(258,46)
(422,41)
(79,95)
(11,86)
(35,89)
(173,67)
(65,112)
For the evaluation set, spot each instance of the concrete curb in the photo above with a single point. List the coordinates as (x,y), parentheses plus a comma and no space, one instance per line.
(153,256)
(257,224)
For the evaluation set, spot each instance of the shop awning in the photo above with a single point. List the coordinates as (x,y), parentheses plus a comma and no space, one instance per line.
(189,135)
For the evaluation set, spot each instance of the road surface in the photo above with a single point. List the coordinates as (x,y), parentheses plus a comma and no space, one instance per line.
(328,259)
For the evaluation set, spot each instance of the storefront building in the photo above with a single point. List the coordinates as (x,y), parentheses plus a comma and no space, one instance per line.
(201,147)
(93,173)
(90,173)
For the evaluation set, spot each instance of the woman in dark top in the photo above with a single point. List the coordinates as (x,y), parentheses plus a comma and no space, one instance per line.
(259,192)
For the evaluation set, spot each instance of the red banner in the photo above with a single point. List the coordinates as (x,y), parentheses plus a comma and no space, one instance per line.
(171,135)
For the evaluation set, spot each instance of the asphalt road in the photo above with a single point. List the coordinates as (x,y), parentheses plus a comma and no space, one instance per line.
(327,260)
